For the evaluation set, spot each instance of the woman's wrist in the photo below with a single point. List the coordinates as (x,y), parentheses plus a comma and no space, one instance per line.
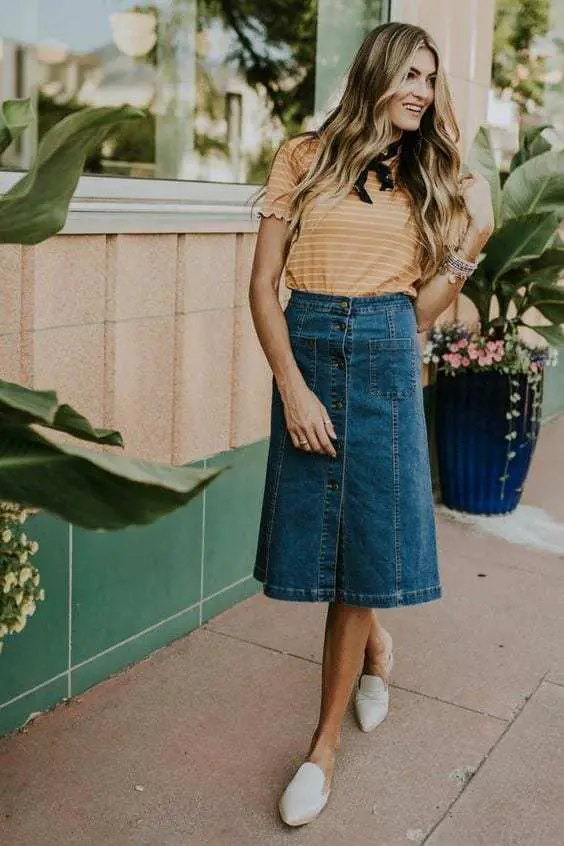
(471,245)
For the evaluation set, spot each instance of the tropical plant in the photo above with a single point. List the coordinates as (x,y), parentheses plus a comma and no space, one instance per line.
(95,490)
(524,258)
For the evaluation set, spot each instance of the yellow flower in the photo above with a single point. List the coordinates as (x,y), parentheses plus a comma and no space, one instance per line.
(36,578)
(25,574)
(28,608)
(23,558)
(41,594)
(9,580)
(23,539)
(34,546)
(6,536)
(18,596)
(3,629)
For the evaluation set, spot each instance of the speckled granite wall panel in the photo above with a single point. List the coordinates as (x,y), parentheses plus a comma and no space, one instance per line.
(145,277)
(203,384)
(143,380)
(243,266)
(70,360)
(206,279)
(252,381)
(11,287)
(69,281)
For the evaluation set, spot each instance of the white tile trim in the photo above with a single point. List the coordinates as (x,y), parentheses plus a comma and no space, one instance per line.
(223,590)
(69,656)
(204,502)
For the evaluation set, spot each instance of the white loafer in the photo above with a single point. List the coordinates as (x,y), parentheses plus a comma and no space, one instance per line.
(305,797)
(372,697)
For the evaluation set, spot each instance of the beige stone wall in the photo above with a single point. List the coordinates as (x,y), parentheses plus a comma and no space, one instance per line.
(152,334)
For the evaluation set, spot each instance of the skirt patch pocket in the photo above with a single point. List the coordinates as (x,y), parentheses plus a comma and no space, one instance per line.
(393,367)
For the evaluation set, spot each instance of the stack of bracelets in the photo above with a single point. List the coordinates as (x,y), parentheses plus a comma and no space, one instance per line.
(458,268)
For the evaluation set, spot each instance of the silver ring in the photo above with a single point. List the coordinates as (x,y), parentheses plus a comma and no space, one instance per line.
(302,443)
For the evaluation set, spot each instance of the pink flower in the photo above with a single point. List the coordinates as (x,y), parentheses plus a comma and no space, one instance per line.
(473,352)
(492,345)
(465,361)
(453,346)
(455,360)
(534,367)
(462,343)
(484,360)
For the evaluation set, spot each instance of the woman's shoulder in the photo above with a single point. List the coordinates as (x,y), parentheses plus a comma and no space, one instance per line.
(300,150)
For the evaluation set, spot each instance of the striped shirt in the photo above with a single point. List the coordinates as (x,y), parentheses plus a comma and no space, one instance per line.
(350,248)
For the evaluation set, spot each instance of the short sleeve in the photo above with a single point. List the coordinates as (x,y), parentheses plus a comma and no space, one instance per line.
(285,174)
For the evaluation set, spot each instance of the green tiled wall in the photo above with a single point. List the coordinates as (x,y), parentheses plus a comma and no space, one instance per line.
(553,395)
(112,598)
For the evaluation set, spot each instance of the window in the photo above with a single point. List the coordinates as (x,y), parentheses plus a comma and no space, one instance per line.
(220,82)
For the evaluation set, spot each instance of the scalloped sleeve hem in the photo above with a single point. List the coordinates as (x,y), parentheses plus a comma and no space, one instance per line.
(268,210)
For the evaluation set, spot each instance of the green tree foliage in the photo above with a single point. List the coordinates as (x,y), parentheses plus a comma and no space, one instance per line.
(515,67)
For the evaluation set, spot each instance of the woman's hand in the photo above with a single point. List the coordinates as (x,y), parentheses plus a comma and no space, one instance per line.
(307,420)
(477,196)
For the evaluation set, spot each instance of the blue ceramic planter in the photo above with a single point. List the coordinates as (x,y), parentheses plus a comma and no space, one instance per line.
(470,429)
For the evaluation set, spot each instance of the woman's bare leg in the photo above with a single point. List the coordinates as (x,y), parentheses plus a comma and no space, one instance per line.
(346,634)
(375,652)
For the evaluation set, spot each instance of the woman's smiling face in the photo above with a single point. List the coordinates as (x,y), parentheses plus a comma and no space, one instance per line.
(416,93)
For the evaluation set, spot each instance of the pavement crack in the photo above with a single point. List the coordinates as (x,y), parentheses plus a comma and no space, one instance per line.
(488,754)
(392,684)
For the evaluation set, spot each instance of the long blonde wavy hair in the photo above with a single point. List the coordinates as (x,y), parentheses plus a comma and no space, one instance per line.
(359,128)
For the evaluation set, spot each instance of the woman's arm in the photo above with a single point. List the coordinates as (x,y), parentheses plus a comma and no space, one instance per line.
(437,294)
(306,417)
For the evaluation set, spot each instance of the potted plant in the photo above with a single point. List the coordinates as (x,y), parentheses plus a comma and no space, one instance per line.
(488,377)
(94,490)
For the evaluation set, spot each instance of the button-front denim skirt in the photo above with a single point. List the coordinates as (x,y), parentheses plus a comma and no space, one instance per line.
(359,528)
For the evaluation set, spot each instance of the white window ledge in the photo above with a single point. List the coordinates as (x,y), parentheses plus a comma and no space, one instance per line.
(110,205)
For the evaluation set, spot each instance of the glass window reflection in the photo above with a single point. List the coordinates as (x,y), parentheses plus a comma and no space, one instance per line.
(220,82)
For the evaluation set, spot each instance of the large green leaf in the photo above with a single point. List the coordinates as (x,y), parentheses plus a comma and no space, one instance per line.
(531,144)
(36,207)
(552,258)
(518,241)
(19,405)
(15,117)
(553,334)
(482,159)
(535,186)
(549,299)
(95,491)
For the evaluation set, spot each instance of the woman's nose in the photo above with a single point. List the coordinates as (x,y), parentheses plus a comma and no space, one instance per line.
(420,88)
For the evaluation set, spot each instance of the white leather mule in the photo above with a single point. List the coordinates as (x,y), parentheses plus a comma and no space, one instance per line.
(372,697)
(305,796)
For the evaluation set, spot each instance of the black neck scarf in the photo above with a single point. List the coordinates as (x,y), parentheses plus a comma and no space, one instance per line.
(382,170)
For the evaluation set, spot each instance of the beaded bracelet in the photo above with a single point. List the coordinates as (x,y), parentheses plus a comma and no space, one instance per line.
(460,266)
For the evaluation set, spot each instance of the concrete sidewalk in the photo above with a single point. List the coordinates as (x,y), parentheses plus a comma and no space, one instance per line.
(195,744)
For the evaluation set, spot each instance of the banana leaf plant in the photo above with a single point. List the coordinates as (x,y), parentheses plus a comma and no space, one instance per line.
(523,260)
(95,490)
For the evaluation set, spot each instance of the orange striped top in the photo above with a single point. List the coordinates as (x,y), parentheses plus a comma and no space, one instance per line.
(350,248)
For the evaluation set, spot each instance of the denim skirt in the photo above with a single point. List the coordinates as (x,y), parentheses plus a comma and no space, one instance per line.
(358,528)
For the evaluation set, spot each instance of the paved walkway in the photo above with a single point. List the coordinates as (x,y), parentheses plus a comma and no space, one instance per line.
(194,745)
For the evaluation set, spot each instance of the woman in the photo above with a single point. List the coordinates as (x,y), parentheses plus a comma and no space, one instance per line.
(377,232)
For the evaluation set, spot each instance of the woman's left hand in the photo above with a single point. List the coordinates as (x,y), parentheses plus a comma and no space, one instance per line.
(477,196)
